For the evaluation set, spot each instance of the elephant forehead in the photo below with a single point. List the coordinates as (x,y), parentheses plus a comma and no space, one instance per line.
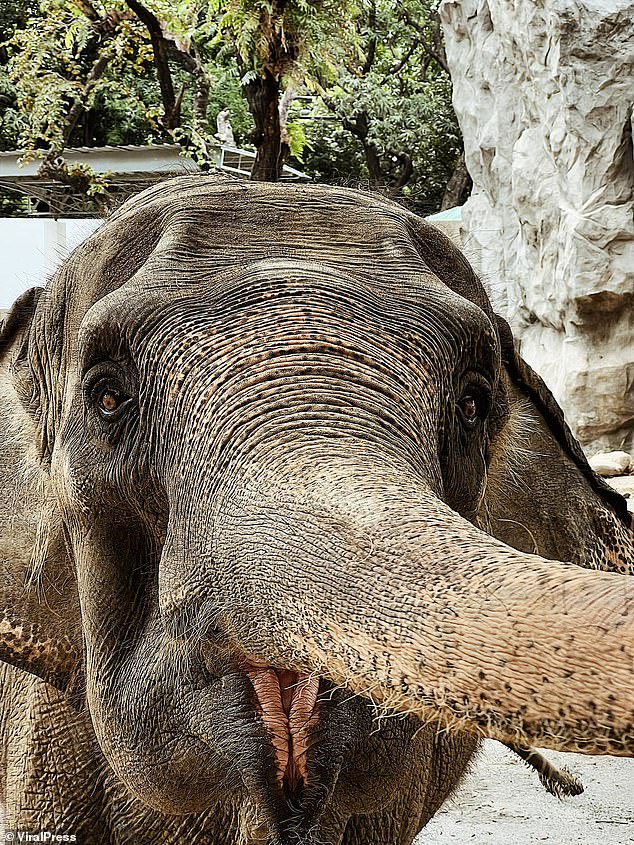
(189,234)
(270,317)
(350,239)
(232,217)
(184,238)
(222,258)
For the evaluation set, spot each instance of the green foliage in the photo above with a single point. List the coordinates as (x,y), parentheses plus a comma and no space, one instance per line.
(50,63)
(12,204)
(13,14)
(333,156)
(381,101)
(10,118)
(297,141)
(123,112)
(280,36)
(394,99)
(50,55)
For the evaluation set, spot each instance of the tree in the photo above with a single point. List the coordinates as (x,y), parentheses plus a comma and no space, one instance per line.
(68,55)
(394,97)
(14,14)
(90,72)
(272,43)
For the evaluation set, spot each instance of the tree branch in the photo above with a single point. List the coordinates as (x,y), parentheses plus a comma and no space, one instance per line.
(437,51)
(79,106)
(163,72)
(181,58)
(398,67)
(87,9)
(153,26)
(201,91)
(439,44)
(146,17)
(407,171)
(369,59)
(357,124)
(458,185)
(165,49)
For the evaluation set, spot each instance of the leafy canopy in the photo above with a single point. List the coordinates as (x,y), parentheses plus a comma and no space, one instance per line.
(368,96)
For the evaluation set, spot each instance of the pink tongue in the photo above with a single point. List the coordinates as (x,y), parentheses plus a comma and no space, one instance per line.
(288,704)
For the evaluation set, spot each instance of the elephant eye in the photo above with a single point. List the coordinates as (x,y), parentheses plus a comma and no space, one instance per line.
(473,407)
(469,408)
(108,399)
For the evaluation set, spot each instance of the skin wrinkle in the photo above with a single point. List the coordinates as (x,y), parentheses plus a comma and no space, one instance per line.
(323,579)
(221,398)
(260,331)
(218,522)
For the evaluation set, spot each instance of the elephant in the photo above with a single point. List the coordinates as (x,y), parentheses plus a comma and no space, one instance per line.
(287,527)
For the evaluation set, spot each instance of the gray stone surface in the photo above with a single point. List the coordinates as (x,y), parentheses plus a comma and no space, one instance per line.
(543,90)
(608,464)
(624,484)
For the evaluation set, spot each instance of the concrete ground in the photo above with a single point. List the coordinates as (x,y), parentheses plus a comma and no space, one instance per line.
(503,803)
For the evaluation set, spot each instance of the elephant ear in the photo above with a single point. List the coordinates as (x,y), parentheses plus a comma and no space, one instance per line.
(40,629)
(542,495)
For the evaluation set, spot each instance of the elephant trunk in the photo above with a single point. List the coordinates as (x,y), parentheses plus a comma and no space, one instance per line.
(364,576)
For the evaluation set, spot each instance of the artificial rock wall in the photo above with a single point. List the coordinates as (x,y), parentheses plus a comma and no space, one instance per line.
(543,90)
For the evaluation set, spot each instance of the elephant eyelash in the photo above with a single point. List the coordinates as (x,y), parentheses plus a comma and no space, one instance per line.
(101,383)
(474,405)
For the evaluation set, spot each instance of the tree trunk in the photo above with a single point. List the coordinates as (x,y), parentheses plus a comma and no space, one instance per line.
(263,94)
(201,102)
(373,162)
(458,186)
(285,106)
(160,47)
(359,126)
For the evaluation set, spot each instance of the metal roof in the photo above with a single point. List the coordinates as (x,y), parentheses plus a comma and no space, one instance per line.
(129,169)
(116,160)
(450,215)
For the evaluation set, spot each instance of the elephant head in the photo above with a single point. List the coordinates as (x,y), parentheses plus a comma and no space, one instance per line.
(256,433)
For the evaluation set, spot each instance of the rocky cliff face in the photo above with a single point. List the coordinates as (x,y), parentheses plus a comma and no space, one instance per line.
(543,90)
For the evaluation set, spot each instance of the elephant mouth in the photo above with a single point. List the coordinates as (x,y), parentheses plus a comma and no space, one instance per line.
(288,705)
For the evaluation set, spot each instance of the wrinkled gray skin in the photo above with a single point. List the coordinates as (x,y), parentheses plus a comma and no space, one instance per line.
(290,478)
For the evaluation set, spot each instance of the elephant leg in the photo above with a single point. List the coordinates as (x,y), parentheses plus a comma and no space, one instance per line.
(379,829)
(451,759)
(132,823)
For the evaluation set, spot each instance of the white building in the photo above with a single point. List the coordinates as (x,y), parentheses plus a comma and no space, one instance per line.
(33,247)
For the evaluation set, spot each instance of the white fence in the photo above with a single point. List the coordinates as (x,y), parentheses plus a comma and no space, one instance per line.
(31,249)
